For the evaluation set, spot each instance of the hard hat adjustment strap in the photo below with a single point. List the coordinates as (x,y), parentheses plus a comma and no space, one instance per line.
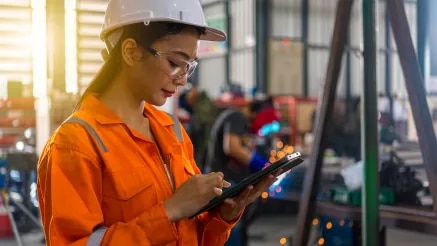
(148,14)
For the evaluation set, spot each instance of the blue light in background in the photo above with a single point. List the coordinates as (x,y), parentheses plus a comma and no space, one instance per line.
(270,128)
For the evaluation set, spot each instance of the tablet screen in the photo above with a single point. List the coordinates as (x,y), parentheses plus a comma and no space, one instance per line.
(285,164)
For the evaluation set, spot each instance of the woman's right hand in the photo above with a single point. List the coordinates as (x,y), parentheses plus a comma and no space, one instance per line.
(195,193)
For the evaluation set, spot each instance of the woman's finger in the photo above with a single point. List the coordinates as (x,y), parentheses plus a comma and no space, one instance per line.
(230,202)
(218,191)
(226,184)
(213,180)
(242,200)
(259,190)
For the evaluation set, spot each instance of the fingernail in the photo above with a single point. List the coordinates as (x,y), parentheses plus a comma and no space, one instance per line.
(218,191)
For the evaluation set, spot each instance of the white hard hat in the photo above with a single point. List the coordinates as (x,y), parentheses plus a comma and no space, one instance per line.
(120,13)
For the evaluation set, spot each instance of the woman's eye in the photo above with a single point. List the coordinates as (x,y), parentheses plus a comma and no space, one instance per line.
(173,64)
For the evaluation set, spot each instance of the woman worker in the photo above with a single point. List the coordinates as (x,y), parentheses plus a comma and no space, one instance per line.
(121,172)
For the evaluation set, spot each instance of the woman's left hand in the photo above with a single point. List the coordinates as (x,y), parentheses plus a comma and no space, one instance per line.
(232,208)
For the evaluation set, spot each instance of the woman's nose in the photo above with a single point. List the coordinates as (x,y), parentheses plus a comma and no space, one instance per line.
(182,81)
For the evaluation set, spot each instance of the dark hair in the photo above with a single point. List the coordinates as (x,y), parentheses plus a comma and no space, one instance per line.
(144,36)
(259,104)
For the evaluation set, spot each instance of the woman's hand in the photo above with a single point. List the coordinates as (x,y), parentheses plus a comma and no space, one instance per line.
(195,193)
(231,208)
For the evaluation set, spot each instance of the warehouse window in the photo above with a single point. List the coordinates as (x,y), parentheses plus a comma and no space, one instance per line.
(243,43)
(90,15)
(15,42)
(212,68)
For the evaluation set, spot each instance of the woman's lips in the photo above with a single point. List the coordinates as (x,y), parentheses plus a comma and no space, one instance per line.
(168,93)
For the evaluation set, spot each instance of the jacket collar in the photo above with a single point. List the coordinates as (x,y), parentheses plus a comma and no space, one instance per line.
(104,115)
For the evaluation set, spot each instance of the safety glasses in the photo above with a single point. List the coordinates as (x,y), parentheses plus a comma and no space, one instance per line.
(173,65)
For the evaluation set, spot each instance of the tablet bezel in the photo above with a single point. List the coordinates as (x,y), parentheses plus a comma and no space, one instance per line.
(289,161)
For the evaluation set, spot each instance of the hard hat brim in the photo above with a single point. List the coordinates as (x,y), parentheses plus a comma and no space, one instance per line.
(211,34)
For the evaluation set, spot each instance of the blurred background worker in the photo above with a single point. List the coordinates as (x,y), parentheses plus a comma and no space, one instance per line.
(264,127)
(229,151)
(202,112)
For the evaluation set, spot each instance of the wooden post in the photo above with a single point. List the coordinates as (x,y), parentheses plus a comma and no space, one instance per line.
(324,112)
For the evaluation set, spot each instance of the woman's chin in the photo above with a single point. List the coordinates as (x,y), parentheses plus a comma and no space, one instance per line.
(158,101)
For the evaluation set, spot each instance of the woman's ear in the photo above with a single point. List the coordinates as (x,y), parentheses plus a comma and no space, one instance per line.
(130,52)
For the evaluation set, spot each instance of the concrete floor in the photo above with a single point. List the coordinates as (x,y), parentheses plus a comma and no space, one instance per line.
(274,228)
(267,231)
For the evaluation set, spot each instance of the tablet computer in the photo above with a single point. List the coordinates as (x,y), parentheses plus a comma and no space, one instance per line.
(285,164)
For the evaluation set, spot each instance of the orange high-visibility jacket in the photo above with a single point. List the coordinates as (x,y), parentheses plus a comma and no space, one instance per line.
(102,183)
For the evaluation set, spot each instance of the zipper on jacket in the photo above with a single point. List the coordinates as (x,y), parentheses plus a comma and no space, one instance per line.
(167,168)
(165,165)
(169,175)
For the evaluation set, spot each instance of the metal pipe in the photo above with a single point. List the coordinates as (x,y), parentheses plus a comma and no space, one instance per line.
(369,126)
(29,214)
(5,198)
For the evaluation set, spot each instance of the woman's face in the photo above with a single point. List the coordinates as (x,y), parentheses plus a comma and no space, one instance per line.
(161,69)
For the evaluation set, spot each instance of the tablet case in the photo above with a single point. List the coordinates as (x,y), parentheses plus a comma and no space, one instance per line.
(285,164)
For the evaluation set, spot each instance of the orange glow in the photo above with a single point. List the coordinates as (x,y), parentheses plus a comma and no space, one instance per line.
(329,225)
(264,195)
(279,145)
(321,241)
(315,221)
(283,241)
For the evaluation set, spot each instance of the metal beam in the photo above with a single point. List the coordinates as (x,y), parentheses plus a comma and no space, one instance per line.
(369,126)
(348,48)
(416,92)
(432,44)
(304,21)
(388,65)
(324,112)
(262,24)
(228,42)
(423,9)
(348,76)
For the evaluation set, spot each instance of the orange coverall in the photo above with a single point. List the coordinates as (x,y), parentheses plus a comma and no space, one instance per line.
(102,183)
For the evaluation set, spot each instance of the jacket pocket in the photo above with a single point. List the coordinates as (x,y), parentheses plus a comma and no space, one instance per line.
(189,169)
(128,194)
